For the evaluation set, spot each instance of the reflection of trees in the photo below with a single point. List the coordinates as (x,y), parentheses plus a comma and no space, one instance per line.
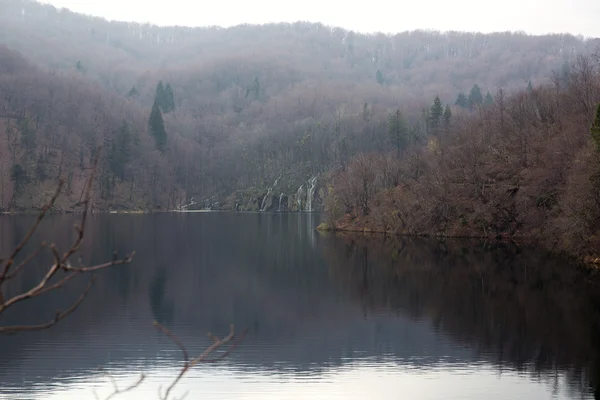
(296,293)
(522,309)
(162,309)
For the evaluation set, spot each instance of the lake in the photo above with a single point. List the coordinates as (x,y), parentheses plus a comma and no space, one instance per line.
(328,316)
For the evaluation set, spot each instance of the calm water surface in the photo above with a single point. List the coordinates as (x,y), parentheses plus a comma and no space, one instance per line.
(331,317)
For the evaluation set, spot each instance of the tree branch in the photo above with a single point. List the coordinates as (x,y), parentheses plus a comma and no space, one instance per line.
(202,358)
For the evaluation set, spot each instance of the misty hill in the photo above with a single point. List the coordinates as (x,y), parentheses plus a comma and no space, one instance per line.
(250,103)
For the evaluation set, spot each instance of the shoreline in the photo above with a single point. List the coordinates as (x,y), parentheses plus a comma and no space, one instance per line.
(590,262)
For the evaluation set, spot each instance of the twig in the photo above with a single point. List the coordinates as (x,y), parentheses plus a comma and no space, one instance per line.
(60,315)
(60,263)
(118,391)
(202,358)
(10,261)
(29,258)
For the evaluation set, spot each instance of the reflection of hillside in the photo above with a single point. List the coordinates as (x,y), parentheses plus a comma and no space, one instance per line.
(521,309)
(199,272)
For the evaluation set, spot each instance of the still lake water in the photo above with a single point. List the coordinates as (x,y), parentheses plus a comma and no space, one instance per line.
(331,317)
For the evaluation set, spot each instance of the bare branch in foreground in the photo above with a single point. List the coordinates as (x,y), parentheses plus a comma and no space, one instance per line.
(117,391)
(61,263)
(230,339)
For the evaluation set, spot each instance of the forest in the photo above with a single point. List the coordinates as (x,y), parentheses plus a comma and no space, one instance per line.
(248,118)
(524,167)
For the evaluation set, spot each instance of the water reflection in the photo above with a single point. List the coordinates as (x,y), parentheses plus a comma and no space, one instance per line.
(329,317)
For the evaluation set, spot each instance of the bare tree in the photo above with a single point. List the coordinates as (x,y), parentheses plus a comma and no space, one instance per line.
(50,281)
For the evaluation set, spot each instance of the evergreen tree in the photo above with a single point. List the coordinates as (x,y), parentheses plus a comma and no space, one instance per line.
(475,97)
(120,151)
(489,100)
(596,129)
(156,127)
(447,118)
(398,130)
(19,176)
(169,100)
(133,93)
(462,101)
(380,78)
(79,66)
(435,115)
(159,96)
(529,87)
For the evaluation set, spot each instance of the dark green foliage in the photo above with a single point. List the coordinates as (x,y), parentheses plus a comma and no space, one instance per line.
(133,93)
(119,152)
(475,97)
(489,100)
(398,130)
(159,95)
(156,126)
(379,77)
(462,100)
(596,129)
(447,117)
(164,97)
(435,116)
(79,66)
(19,176)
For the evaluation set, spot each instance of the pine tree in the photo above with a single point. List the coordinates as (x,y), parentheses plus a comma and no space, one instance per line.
(156,127)
(447,118)
(529,87)
(120,151)
(462,100)
(159,96)
(169,100)
(398,130)
(380,78)
(133,93)
(596,129)
(436,114)
(475,97)
(489,100)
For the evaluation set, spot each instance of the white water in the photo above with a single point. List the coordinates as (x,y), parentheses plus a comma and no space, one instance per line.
(269,194)
(280,200)
(312,184)
(299,197)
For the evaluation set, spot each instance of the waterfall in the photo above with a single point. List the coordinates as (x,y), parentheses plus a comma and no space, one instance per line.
(312,184)
(265,199)
(265,203)
(280,200)
(299,197)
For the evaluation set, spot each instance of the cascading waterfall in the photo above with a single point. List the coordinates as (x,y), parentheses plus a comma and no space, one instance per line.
(265,199)
(312,184)
(299,197)
(280,200)
(269,194)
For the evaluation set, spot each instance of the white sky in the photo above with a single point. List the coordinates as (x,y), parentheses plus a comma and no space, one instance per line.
(389,16)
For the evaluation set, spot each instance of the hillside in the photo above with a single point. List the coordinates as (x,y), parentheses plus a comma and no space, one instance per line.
(524,167)
(251,104)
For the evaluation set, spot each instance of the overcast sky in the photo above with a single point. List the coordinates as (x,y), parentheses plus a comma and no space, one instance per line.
(532,16)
